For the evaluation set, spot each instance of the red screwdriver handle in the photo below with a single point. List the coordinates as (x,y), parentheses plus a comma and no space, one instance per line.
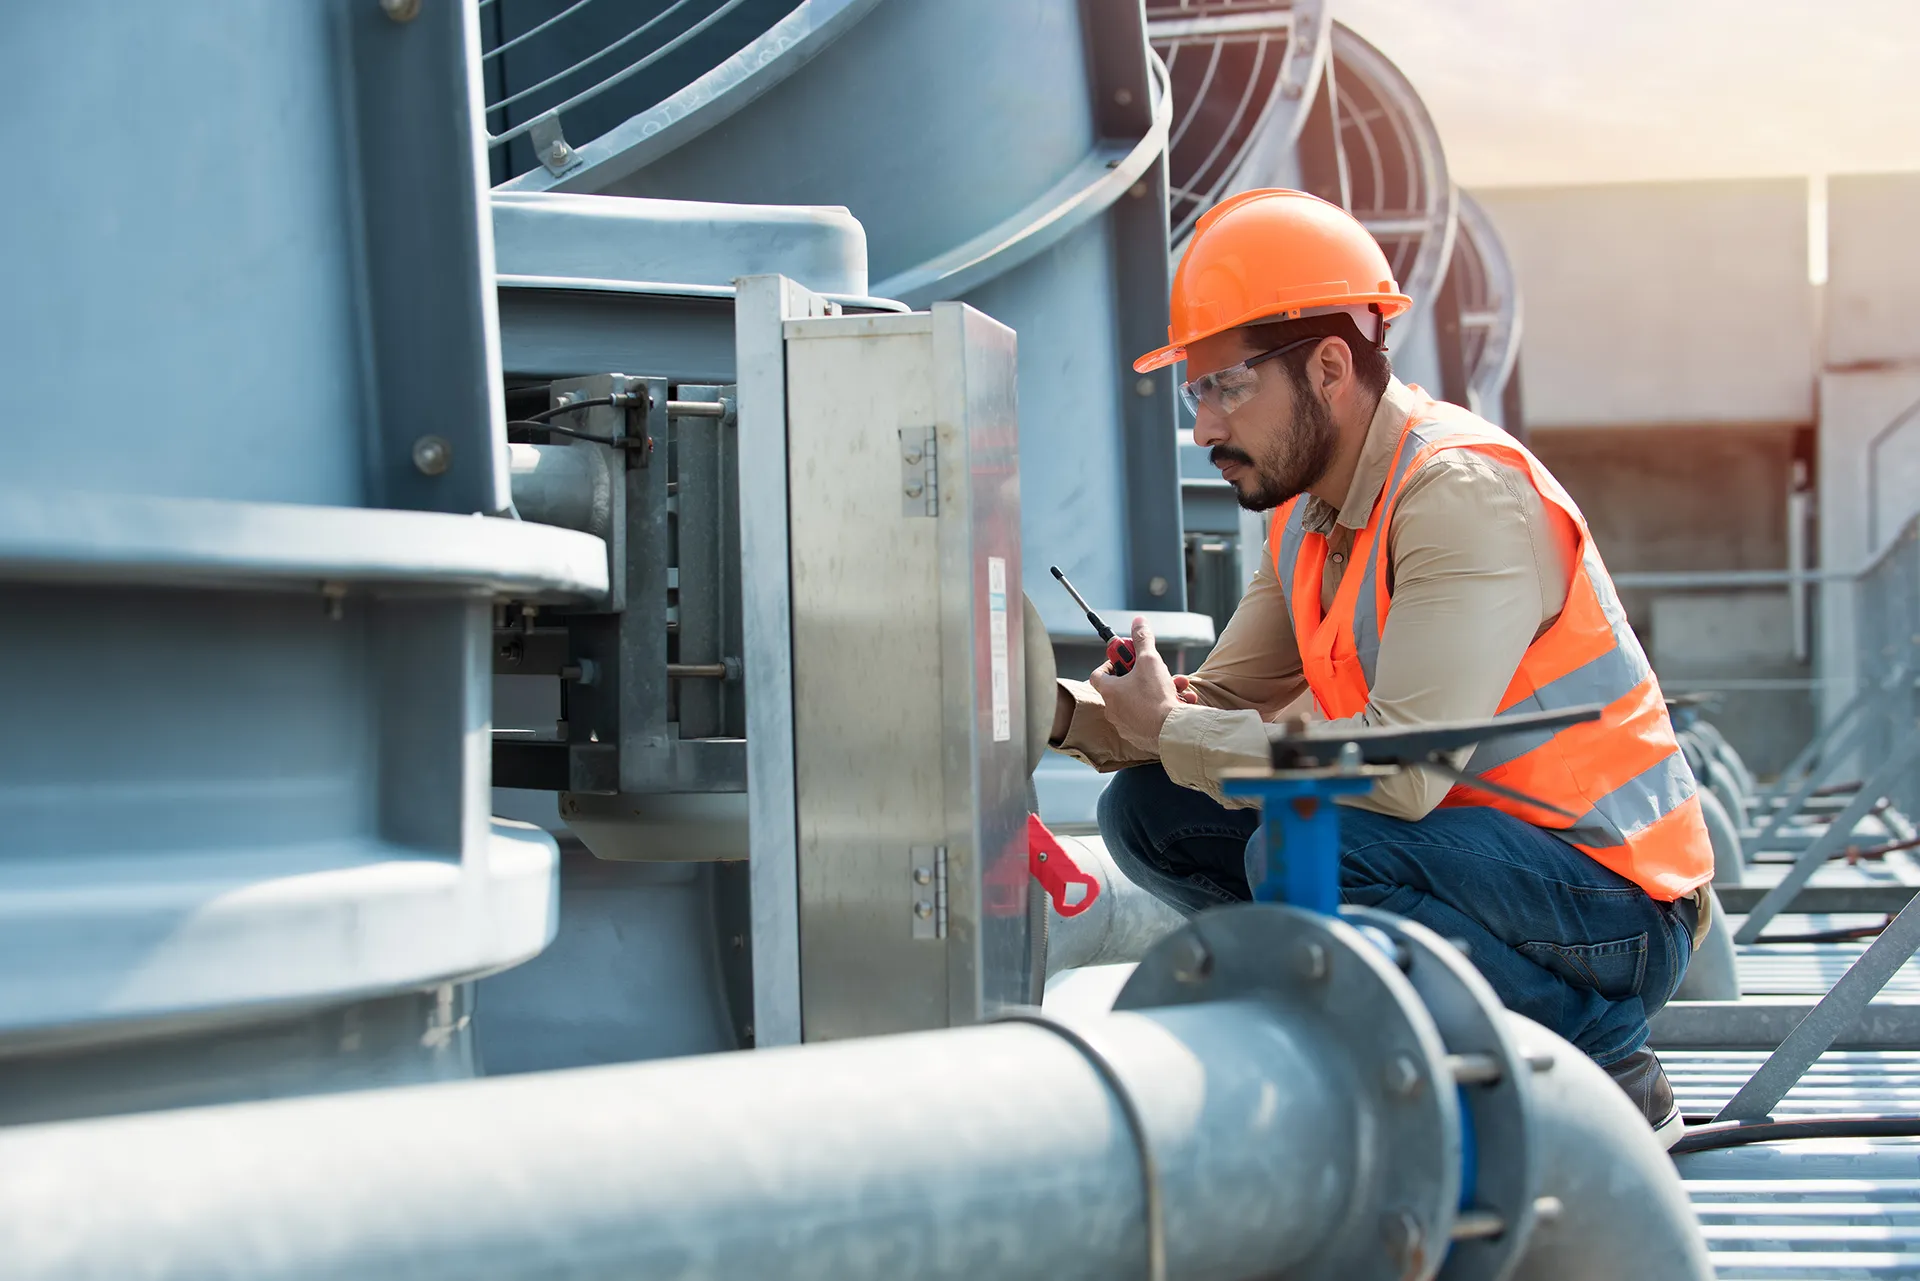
(1120,655)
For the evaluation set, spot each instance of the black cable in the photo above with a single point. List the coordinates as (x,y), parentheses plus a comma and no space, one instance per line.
(1850,934)
(596,403)
(558,430)
(1730,1134)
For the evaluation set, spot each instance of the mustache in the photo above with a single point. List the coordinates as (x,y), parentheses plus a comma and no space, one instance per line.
(1221,455)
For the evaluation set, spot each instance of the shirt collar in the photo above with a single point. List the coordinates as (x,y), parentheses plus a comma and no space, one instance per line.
(1397,404)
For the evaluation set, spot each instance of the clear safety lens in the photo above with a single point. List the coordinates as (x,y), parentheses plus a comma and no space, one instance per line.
(1222,391)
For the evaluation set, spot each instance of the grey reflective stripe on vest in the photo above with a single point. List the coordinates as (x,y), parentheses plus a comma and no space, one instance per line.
(1292,534)
(1636,804)
(1610,677)
(1366,609)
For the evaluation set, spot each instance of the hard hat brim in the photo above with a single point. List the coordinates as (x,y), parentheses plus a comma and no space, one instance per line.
(1392,306)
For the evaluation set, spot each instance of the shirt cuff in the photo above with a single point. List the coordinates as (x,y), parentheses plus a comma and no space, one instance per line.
(1199,744)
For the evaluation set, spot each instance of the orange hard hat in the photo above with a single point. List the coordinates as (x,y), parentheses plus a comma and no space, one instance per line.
(1272,254)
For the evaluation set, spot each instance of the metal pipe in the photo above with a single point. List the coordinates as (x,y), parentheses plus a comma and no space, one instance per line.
(1612,1204)
(699,671)
(566,485)
(997,1151)
(697,409)
(1124,921)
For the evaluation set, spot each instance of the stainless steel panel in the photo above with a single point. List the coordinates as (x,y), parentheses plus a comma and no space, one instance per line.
(908,708)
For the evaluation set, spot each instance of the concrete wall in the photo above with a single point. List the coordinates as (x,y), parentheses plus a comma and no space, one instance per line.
(1662,302)
(1873,268)
(1698,498)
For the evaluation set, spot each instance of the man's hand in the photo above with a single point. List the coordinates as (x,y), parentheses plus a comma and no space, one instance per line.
(1138,703)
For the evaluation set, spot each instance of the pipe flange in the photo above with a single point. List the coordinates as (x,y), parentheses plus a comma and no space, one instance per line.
(1383,1046)
(1494,1077)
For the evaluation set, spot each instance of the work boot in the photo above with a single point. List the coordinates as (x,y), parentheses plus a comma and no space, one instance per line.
(1645,1082)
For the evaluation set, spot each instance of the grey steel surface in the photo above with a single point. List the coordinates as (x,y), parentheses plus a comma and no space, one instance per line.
(1840,1009)
(1764,1022)
(765,304)
(1124,921)
(225,1056)
(1841,1082)
(558,236)
(906,686)
(618,1172)
(50,535)
(1243,84)
(1837,1210)
(298,303)
(559,484)
(1891,770)
(769,58)
(1076,257)
(1621,1211)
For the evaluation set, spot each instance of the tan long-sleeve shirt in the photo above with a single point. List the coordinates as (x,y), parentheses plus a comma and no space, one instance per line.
(1478,565)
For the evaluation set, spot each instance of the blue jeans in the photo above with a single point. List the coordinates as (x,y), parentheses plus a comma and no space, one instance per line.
(1563,940)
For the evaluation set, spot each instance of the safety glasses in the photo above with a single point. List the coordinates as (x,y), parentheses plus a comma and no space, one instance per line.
(1226,390)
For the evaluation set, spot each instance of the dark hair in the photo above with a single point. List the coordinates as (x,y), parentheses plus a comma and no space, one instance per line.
(1370,364)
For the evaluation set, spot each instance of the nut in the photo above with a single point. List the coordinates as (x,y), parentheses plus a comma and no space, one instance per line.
(1192,962)
(1403,1076)
(1310,958)
(432,455)
(1400,1233)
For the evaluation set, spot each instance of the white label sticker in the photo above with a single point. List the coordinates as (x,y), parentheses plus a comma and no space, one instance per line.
(997,645)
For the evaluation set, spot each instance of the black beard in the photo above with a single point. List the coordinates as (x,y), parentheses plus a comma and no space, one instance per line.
(1291,464)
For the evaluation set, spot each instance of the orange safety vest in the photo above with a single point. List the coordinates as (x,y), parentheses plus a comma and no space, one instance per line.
(1624,774)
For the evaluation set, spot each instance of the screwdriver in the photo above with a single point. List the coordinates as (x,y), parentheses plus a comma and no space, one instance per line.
(1119,649)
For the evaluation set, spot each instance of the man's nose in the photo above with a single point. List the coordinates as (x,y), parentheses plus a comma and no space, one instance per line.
(1209,428)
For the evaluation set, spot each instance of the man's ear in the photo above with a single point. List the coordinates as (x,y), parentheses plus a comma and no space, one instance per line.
(1332,365)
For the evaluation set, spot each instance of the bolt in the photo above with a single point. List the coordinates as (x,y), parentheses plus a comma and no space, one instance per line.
(432,455)
(1192,962)
(922,876)
(335,594)
(1474,1069)
(569,806)
(912,454)
(401,10)
(923,909)
(1138,191)
(1310,958)
(1461,946)
(1156,586)
(1123,96)
(1539,1060)
(1547,1208)
(558,153)
(1403,1076)
(511,653)
(739,942)
(1477,1225)
(915,488)
(1350,757)
(1400,1233)
(1143,387)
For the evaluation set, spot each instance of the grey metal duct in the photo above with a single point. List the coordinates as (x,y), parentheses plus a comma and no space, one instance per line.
(1490,313)
(1050,217)
(245,773)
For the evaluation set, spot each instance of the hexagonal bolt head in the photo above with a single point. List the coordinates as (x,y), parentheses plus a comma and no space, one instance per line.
(558,153)
(1192,961)
(432,455)
(1310,959)
(1400,1233)
(1403,1076)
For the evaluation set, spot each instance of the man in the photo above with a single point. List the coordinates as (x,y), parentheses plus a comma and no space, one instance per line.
(1421,566)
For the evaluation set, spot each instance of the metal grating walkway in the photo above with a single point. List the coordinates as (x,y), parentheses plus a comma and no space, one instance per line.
(1810,1210)
(1841,1082)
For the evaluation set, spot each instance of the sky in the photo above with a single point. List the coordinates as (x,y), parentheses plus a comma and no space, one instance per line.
(1529,92)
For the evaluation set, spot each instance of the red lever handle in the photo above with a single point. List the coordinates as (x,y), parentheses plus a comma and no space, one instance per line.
(1054,868)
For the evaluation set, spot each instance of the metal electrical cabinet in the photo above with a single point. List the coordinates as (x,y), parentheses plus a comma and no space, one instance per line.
(904,546)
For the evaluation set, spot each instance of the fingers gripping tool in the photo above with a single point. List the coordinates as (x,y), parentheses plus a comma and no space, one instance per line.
(1119,648)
